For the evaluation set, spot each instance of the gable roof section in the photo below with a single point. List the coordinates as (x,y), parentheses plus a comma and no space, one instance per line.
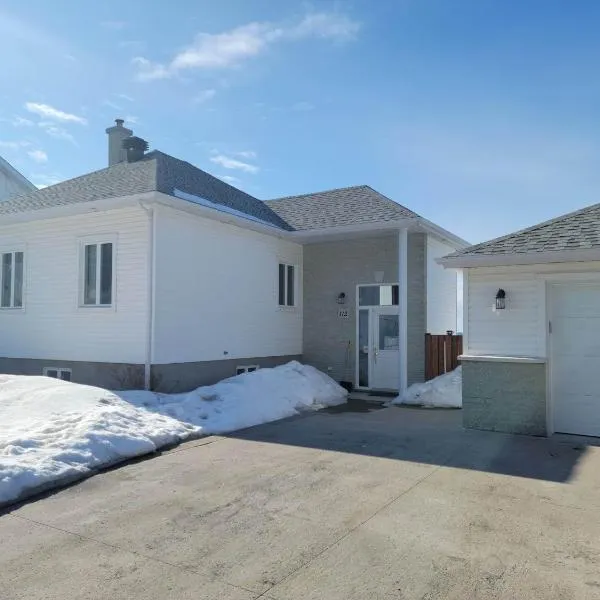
(576,231)
(335,208)
(18,180)
(155,172)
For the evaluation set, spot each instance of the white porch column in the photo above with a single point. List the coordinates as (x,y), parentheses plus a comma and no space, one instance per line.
(403,307)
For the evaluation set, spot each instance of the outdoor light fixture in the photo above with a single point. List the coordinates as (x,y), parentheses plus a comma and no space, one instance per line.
(500,299)
(341,299)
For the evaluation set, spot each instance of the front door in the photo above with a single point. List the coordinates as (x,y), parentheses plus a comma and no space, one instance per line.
(378,348)
(386,346)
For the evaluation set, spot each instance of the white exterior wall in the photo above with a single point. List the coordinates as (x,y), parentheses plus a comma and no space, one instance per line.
(216,292)
(52,324)
(520,329)
(441,289)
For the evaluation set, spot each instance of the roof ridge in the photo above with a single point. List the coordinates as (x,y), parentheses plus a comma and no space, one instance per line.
(528,229)
(339,189)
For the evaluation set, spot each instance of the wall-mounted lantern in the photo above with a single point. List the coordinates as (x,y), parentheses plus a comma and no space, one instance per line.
(341,298)
(500,299)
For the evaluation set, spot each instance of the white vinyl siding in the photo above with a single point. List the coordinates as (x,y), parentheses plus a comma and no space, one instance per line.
(217,291)
(441,290)
(52,325)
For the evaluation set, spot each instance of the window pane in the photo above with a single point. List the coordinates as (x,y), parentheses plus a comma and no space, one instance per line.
(388,332)
(363,348)
(65,375)
(89,282)
(18,292)
(290,286)
(6,279)
(385,295)
(368,295)
(106,274)
(281,285)
(395,295)
(52,373)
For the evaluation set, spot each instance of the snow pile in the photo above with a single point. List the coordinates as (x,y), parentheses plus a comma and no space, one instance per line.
(52,431)
(444,391)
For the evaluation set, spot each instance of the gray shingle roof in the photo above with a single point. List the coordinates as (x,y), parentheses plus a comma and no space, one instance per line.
(156,172)
(345,206)
(579,230)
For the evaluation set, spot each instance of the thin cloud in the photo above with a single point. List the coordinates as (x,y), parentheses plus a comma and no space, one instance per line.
(232,163)
(231,48)
(125,97)
(57,132)
(39,156)
(42,180)
(132,119)
(204,96)
(22,122)
(49,112)
(303,106)
(14,145)
(247,154)
(229,179)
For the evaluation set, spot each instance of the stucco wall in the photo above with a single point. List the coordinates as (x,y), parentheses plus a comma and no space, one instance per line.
(505,396)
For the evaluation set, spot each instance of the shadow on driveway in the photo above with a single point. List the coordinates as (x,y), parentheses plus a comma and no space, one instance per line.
(432,436)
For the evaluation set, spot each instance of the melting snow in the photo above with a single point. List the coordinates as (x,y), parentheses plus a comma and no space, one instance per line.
(444,391)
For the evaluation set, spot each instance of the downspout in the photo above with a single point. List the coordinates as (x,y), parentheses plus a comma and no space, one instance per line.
(403,308)
(150,268)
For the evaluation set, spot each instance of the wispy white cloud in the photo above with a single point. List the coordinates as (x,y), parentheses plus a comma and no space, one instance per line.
(131,119)
(39,156)
(247,154)
(112,105)
(231,48)
(22,122)
(42,180)
(14,144)
(229,179)
(57,132)
(49,112)
(204,96)
(303,106)
(125,97)
(233,163)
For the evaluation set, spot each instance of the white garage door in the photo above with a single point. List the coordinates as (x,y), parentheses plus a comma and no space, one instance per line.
(575,358)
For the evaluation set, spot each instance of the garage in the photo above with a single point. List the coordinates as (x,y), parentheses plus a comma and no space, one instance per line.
(574,313)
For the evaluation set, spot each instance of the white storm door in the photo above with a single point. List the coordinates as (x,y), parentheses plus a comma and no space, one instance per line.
(385,345)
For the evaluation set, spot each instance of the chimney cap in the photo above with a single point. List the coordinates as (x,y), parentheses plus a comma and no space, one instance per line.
(119,122)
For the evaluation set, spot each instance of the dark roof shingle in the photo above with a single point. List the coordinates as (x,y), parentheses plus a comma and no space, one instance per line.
(578,230)
(155,172)
(334,208)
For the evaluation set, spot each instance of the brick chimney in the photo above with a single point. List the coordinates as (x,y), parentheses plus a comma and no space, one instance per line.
(116,134)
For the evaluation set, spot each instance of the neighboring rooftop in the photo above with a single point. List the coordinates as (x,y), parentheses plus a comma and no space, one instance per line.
(355,205)
(12,182)
(579,230)
(156,171)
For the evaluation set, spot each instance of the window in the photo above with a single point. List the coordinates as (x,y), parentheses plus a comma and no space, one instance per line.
(378,295)
(58,373)
(287,285)
(11,280)
(98,274)
(245,369)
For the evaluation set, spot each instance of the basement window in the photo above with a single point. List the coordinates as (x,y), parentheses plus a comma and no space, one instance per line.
(241,369)
(58,373)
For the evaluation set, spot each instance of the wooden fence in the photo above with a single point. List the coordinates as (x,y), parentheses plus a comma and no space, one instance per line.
(441,354)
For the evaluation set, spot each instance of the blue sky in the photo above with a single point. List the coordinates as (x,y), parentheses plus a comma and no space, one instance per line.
(481,115)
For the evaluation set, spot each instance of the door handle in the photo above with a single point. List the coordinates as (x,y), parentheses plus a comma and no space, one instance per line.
(375,352)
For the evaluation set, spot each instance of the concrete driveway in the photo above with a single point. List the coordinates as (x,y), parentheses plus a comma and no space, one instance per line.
(395,503)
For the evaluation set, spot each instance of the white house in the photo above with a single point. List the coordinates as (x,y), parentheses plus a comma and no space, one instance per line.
(12,183)
(153,272)
(532,328)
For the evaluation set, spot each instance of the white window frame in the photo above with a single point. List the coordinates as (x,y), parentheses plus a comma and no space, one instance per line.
(97,241)
(287,306)
(59,372)
(246,369)
(14,250)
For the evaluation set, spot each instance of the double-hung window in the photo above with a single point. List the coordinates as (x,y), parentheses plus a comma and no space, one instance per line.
(97,274)
(11,279)
(287,285)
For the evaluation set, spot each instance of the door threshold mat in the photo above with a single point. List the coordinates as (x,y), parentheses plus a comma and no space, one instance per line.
(384,394)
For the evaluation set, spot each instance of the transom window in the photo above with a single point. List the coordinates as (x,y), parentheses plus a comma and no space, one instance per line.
(287,285)
(97,285)
(378,295)
(58,373)
(11,280)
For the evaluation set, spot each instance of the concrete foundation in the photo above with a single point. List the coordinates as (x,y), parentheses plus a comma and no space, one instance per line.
(505,396)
